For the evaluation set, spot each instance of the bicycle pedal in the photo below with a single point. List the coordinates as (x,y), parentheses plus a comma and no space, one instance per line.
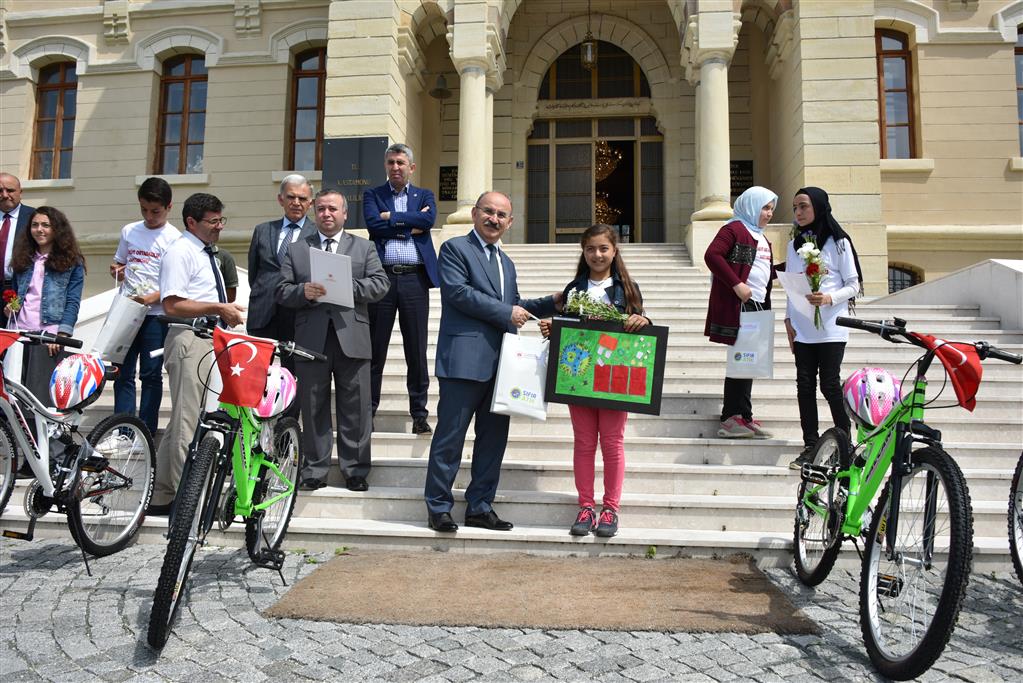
(19,535)
(814,474)
(270,559)
(889,586)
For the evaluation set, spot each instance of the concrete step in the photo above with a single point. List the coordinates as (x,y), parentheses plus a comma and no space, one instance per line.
(694,512)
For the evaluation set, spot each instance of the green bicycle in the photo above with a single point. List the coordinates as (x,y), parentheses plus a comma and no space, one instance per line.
(918,539)
(260,448)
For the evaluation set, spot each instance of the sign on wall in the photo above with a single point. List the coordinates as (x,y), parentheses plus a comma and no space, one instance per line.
(353,165)
(598,364)
(742,176)
(448,190)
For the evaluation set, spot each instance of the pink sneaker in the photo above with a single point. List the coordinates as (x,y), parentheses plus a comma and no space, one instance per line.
(758,429)
(735,428)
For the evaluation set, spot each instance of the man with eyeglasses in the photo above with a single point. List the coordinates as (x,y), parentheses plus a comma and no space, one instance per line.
(191,285)
(270,244)
(479,303)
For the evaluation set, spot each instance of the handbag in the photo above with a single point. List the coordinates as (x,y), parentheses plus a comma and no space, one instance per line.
(752,354)
(119,329)
(521,374)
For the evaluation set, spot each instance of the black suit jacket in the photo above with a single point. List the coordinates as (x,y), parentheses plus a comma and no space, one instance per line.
(265,272)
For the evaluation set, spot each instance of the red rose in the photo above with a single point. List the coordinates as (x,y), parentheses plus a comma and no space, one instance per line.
(9,295)
(813,269)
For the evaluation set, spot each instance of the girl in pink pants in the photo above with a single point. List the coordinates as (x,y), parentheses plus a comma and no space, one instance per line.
(602,275)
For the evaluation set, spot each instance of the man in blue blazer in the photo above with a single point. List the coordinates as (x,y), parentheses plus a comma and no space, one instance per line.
(399,217)
(13,221)
(479,303)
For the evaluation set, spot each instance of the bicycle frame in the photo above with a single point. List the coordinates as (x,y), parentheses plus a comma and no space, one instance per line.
(875,452)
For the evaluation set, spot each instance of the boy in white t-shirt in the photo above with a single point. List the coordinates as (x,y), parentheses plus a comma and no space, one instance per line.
(136,267)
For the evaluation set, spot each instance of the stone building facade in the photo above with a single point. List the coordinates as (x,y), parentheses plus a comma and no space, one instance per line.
(909,112)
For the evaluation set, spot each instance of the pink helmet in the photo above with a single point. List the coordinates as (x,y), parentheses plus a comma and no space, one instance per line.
(76,381)
(279,392)
(870,394)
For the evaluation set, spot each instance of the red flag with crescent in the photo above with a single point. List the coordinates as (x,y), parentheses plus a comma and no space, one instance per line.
(7,338)
(243,363)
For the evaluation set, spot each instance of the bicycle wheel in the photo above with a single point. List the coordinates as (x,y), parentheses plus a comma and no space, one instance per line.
(185,536)
(1016,519)
(8,465)
(817,537)
(268,527)
(910,594)
(108,508)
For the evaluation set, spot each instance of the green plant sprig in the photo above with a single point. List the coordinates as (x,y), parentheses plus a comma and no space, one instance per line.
(585,306)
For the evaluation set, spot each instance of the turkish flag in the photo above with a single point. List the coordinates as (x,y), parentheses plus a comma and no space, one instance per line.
(7,338)
(243,363)
(963,365)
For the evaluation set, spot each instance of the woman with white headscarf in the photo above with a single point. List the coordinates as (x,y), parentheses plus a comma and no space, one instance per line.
(741,261)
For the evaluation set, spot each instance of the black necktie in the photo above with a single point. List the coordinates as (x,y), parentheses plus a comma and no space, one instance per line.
(221,292)
(328,246)
(289,233)
(495,268)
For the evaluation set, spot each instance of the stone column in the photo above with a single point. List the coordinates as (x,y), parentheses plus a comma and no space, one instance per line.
(713,162)
(488,120)
(473,145)
(707,48)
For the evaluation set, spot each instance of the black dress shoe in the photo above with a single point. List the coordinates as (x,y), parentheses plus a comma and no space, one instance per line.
(357,484)
(420,426)
(311,484)
(159,510)
(443,523)
(488,520)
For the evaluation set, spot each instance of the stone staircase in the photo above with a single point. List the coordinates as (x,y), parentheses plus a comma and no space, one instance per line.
(686,491)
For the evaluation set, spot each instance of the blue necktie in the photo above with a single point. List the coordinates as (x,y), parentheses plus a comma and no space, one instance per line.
(289,233)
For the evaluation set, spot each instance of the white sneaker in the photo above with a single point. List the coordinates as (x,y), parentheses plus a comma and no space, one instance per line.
(758,429)
(735,428)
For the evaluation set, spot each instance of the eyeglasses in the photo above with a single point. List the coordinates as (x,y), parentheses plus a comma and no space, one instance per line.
(493,213)
(216,222)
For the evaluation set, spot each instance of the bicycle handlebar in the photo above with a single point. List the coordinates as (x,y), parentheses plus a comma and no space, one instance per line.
(203,327)
(886,329)
(47,338)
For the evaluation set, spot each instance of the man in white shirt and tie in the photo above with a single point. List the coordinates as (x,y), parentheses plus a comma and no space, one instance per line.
(13,220)
(191,285)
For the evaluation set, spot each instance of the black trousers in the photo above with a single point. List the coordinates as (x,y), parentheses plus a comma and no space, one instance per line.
(409,299)
(826,360)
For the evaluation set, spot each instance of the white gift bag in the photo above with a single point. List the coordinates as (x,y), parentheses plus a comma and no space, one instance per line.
(119,329)
(14,357)
(521,374)
(752,354)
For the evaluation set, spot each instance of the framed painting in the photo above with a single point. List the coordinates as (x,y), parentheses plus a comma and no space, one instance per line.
(598,364)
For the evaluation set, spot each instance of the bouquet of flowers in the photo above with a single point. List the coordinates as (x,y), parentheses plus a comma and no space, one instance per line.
(12,300)
(814,271)
(585,306)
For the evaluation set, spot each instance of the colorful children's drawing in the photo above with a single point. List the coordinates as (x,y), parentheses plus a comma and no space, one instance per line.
(600,364)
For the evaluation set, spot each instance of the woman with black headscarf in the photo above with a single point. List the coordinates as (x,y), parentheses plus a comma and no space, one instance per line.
(817,343)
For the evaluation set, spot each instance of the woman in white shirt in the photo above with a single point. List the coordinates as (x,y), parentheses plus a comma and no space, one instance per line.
(819,349)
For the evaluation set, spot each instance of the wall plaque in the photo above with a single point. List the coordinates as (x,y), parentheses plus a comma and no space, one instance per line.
(742,176)
(448,190)
(353,165)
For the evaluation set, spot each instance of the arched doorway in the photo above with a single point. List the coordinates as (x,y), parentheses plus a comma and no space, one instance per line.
(589,163)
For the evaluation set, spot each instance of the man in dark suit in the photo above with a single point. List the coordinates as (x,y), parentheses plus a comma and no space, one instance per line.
(269,246)
(342,335)
(399,217)
(13,221)
(479,303)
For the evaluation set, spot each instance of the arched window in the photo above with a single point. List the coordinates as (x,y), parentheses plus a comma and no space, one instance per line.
(616,75)
(308,80)
(901,276)
(182,120)
(895,95)
(56,95)
(1019,84)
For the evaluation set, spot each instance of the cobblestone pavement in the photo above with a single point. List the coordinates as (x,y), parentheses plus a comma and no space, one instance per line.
(58,624)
